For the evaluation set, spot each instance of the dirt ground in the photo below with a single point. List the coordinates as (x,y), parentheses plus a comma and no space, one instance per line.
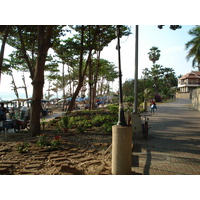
(80,154)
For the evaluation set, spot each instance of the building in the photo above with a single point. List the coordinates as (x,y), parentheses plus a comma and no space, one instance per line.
(189,82)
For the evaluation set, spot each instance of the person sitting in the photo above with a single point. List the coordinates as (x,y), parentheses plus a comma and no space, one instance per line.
(3,112)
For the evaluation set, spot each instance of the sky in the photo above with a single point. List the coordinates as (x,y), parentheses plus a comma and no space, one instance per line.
(171,44)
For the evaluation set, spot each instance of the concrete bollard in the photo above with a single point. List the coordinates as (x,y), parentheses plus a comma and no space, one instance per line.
(121,150)
(136,126)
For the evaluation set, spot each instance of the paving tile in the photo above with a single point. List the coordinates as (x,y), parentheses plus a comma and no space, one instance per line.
(30,166)
(173,134)
(28,172)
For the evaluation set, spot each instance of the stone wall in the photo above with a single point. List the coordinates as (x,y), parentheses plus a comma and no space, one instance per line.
(196,99)
(183,95)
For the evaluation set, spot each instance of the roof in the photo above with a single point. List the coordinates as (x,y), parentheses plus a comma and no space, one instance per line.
(191,75)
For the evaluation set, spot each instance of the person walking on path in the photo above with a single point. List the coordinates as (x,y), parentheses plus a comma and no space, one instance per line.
(153,105)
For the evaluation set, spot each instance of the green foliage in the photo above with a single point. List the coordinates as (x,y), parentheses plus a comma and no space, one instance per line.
(84,120)
(113,108)
(22,147)
(193,46)
(42,141)
(107,127)
(128,87)
(154,54)
(129,99)
(56,142)
(64,122)
(99,120)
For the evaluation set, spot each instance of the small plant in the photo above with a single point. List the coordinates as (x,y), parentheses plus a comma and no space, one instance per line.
(43,123)
(107,127)
(58,128)
(64,122)
(22,147)
(42,141)
(55,143)
(81,129)
(113,108)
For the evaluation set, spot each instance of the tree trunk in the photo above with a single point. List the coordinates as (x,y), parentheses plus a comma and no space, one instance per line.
(25,87)
(82,71)
(80,83)
(38,81)
(96,77)
(3,48)
(90,84)
(14,86)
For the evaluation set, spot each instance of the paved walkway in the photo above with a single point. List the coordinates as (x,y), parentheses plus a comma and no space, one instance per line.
(173,147)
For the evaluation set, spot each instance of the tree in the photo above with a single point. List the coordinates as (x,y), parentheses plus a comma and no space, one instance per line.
(5,30)
(154,54)
(88,41)
(14,87)
(162,79)
(194,47)
(32,44)
(44,43)
(173,27)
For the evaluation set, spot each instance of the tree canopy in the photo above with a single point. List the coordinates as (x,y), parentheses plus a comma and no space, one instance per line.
(194,47)
(32,42)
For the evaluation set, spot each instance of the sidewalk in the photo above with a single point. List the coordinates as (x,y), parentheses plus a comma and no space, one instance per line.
(173,147)
(55,114)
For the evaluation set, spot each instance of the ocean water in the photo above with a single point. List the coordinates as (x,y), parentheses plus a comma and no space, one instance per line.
(11,95)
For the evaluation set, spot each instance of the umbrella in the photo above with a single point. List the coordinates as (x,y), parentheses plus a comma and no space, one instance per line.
(42,100)
(80,99)
(5,101)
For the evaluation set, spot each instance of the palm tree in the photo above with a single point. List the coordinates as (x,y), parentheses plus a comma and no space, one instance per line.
(154,54)
(194,47)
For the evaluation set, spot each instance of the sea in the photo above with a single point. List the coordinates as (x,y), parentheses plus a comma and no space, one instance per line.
(11,96)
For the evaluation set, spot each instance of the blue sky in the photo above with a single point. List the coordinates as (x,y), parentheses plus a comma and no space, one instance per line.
(171,43)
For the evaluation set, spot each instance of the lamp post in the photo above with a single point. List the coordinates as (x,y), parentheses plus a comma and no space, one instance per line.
(121,133)
(121,117)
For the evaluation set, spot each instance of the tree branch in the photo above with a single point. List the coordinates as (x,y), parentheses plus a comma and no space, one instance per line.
(3,48)
(23,50)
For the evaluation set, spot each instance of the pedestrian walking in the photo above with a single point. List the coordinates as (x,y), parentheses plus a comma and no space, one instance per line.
(153,105)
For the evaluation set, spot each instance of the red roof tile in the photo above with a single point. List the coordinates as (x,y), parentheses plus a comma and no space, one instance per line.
(192,74)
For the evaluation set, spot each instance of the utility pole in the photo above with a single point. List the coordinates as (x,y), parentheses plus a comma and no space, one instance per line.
(135,118)
(136,72)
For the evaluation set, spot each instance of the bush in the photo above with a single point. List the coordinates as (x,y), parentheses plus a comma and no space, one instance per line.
(129,99)
(113,108)
(158,98)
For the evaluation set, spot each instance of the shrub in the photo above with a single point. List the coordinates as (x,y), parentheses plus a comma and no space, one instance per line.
(55,143)
(158,98)
(22,147)
(42,141)
(113,108)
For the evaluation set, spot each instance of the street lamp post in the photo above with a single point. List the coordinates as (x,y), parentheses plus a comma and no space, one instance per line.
(121,133)
(121,117)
